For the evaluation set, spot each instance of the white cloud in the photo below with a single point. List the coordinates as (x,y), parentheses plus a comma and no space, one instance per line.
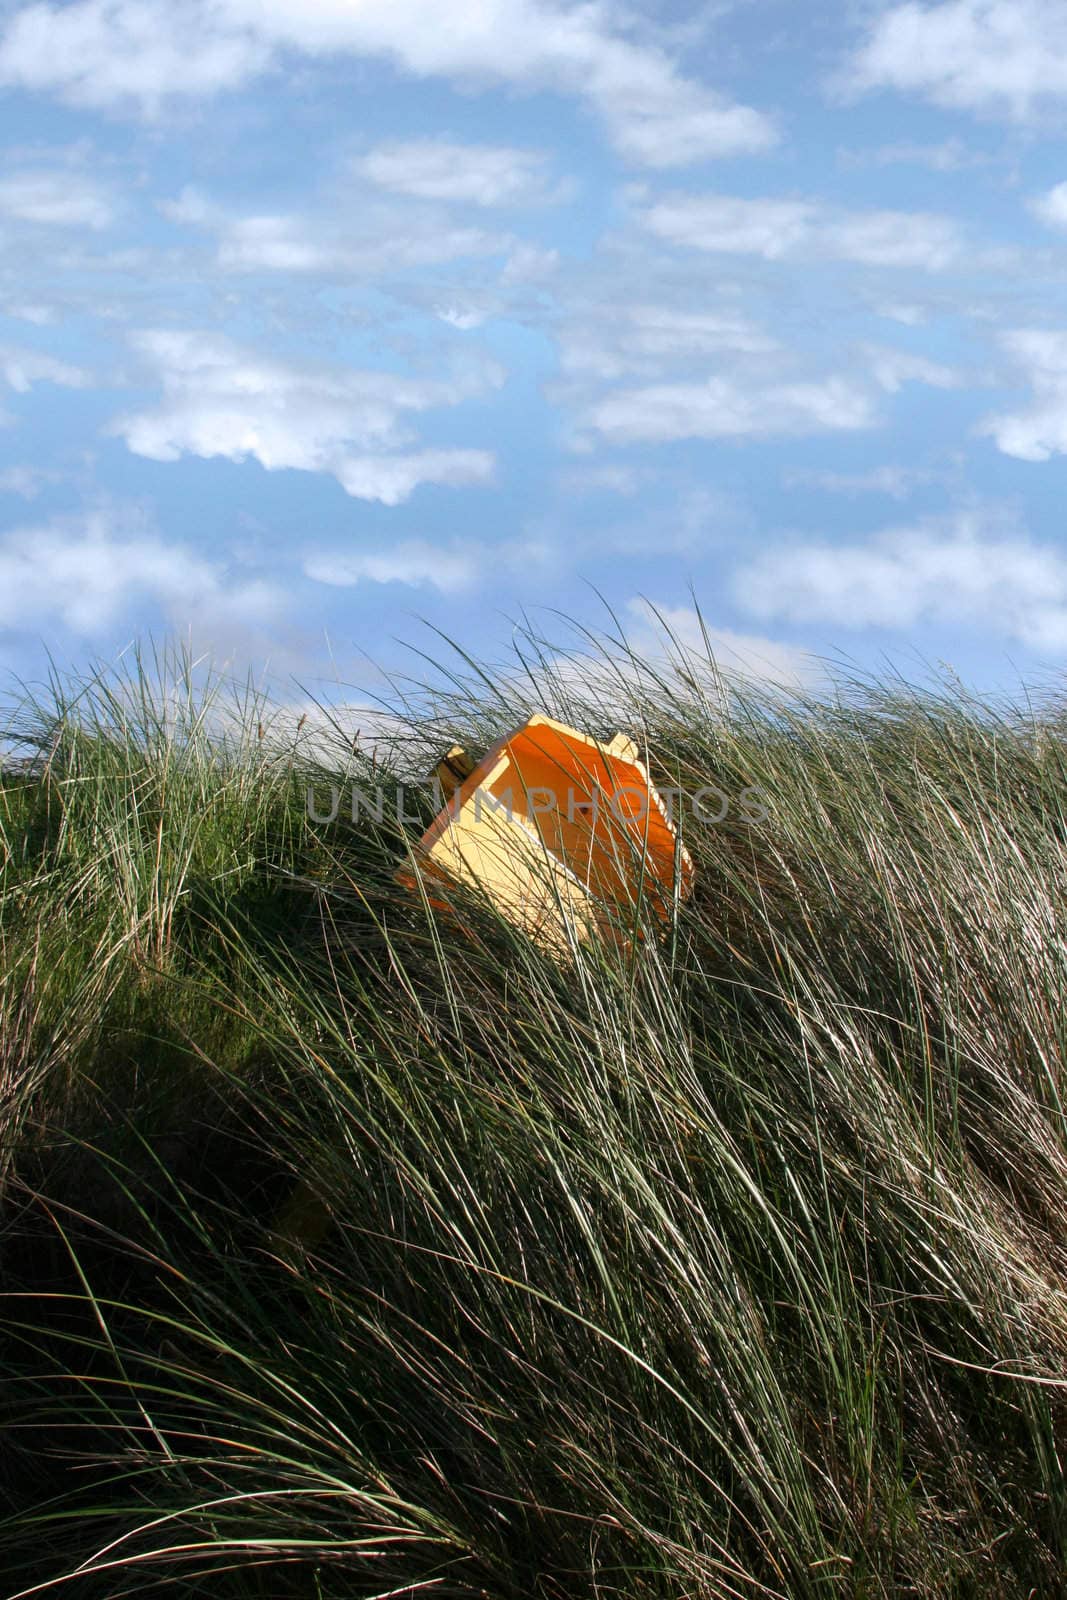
(192,208)
(465,317)
(276,244)
(362,239)
(413,561)
(20,369)
(1040,430)
(513,292)
(898,482)
(220,399)
(730,407)
(891,369)
(103,53)
(686,518)
(55,198)
(909,316)
(999,56)
(974,569)
(1051,207)
(145,52)
(473,174)
(653,348)
(653,115)
(678,633)
(718,222)
(26,482)
(452,568)
(529,263)
(786,229)
(288,244)
(656,119)
(951,155)
(26,311)
(615,339)
(607,479)
(392,479)
(610,676)
(891,239)
(87,573)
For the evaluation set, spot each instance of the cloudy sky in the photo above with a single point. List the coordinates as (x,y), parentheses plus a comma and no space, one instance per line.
(324,319)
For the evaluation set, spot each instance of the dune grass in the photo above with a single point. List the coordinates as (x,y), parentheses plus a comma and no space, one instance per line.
(351,1251)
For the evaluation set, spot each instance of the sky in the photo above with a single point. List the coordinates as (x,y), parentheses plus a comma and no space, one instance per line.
(329,327)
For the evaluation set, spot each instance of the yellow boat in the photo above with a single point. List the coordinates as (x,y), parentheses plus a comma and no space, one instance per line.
(557,828)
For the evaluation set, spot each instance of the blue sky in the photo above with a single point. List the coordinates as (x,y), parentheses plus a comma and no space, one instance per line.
(323,318)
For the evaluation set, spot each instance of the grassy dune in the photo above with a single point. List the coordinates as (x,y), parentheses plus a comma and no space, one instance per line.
(344,1255)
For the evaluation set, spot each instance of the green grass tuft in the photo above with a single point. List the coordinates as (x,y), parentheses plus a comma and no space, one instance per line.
(345,1254)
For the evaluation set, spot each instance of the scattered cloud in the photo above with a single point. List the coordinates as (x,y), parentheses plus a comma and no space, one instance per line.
(607,479)
(192,208)
(27,482)
(725,407)
(680,634)
(146,53)
(686,517)
(481,292)
(779,229)
(414,562)
(450,568)
(658,347)
(975,568)
(615,339)
(1039,430)
(85,573)
(694,363)
(891,239)
(1006,57)
(27,311)
(891,369)
(897,482)
(394,478)
(1051,207)
(698,519)
(55,198)
(106,54)
(653,115)
(221,399)
(20,369)
(656,119)
(363,239)
(466,174)
(951,155)
(719,222)
(703,316)
(909,316)
(529,263)
(662,644)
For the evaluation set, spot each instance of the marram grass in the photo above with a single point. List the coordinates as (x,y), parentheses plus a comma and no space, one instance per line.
(348,1251)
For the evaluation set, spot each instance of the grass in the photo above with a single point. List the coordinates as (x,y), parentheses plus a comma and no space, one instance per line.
(350,1252)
